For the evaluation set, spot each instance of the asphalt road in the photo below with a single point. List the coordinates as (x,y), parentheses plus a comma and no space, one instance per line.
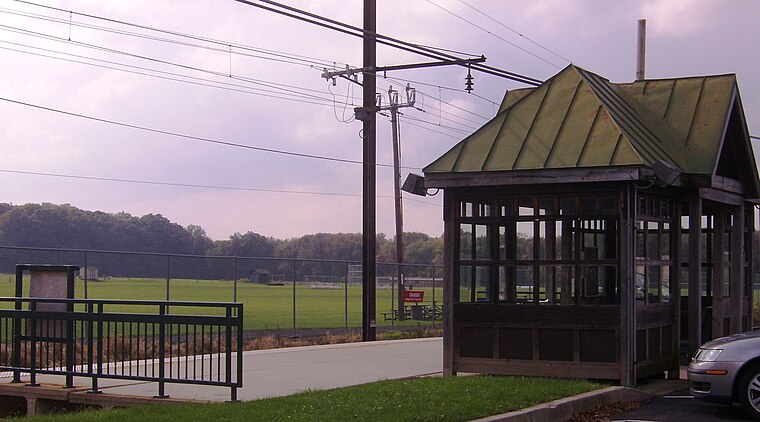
(681,406)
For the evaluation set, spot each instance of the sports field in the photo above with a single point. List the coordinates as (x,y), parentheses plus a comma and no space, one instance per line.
(317,305)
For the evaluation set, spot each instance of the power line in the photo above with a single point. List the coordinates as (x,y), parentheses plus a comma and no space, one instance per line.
(211,84)
(514,31)
(754,137)
(223,43)
(277,86)
(285,89)
(492,34)
(278,57)
(192,79)
(354,31)
(282,87)
(190,185)
(195,138)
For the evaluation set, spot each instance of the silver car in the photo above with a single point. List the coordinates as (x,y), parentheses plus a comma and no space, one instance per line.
(727,370)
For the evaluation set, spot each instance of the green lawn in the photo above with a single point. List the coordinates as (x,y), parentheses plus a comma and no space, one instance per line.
(424,399)
(264,307)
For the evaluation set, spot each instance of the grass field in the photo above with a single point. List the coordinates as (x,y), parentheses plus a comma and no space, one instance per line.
(264,307)
(423,399)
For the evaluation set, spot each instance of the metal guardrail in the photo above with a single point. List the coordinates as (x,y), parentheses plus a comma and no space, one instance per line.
(157,341)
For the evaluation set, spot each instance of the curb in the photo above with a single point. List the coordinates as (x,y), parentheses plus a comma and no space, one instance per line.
(562,409)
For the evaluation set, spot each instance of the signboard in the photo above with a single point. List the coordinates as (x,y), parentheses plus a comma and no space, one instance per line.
(414,295)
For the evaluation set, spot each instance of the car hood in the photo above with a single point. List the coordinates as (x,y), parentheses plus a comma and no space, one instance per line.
(720,343)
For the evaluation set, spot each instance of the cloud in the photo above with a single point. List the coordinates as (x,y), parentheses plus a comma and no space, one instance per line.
(682,18)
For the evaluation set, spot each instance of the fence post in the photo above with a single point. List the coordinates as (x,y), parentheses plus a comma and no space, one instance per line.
(432,270)
(168,275)
(234,278)
(161,350)
(345,300)
(85,276)
(294,297)
(393,299)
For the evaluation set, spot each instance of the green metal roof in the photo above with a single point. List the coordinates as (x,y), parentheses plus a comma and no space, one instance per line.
(578,119)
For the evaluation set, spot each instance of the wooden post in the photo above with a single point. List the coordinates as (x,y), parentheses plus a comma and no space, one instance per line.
(695,274)
(627,294)
(737,270)
(718,263)
(675,288)
(448,284)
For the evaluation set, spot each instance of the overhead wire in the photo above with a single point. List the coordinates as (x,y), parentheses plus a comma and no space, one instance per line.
(493,34)
(87,45)
(211,84)
(222,43)
(354,31)
(193,137)
(286,89)
(515,31)
(246,89)
(279,86)
(190,185)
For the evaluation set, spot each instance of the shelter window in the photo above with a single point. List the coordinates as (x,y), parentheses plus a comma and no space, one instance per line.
(654,249)
(539,249)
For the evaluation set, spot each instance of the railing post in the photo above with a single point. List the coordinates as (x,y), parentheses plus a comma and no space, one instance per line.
(33,347)
(228,354)
(99,350)
(239,380)
(17,327)
(91,345)
(161,350)
(70,341)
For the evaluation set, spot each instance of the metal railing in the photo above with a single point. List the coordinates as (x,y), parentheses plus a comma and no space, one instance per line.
(157,341)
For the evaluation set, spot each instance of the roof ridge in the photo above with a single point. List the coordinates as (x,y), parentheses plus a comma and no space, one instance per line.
(628,115)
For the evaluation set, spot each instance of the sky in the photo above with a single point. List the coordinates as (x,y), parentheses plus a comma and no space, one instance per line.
(114,117)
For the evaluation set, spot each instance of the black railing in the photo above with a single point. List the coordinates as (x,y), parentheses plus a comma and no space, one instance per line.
(157,341)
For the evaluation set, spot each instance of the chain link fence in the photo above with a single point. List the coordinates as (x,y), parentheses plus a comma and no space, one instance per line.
(279,294)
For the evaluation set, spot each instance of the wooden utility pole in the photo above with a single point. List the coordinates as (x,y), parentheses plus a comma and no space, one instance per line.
(393,107)
(369,154)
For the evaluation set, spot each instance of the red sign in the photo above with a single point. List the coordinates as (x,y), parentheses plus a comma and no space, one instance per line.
(414,295)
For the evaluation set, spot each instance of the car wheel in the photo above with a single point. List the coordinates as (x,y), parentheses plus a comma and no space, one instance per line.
(749,392)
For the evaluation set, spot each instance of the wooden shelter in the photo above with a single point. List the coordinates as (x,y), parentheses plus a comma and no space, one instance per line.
(597,229)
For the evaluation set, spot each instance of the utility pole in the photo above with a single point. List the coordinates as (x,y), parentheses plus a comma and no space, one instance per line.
(393,107)
(369,154)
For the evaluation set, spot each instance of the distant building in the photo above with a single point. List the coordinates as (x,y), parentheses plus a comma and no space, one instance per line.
(89,273)
(260,276)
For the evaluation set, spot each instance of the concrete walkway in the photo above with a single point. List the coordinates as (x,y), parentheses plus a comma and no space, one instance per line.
(281,372)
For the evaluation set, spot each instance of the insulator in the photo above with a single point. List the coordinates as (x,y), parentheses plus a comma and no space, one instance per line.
(468,82)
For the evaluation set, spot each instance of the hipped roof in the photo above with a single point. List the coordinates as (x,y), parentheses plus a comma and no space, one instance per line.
(578,119)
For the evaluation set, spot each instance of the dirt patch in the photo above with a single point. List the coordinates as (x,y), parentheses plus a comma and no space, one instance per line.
(604,413)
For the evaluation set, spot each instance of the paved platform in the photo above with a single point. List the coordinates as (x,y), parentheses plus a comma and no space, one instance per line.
(281,372)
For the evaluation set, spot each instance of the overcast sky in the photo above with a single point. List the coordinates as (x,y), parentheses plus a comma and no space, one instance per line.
(271,95)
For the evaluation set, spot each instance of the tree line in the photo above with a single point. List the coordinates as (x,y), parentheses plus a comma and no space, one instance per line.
(67,227)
